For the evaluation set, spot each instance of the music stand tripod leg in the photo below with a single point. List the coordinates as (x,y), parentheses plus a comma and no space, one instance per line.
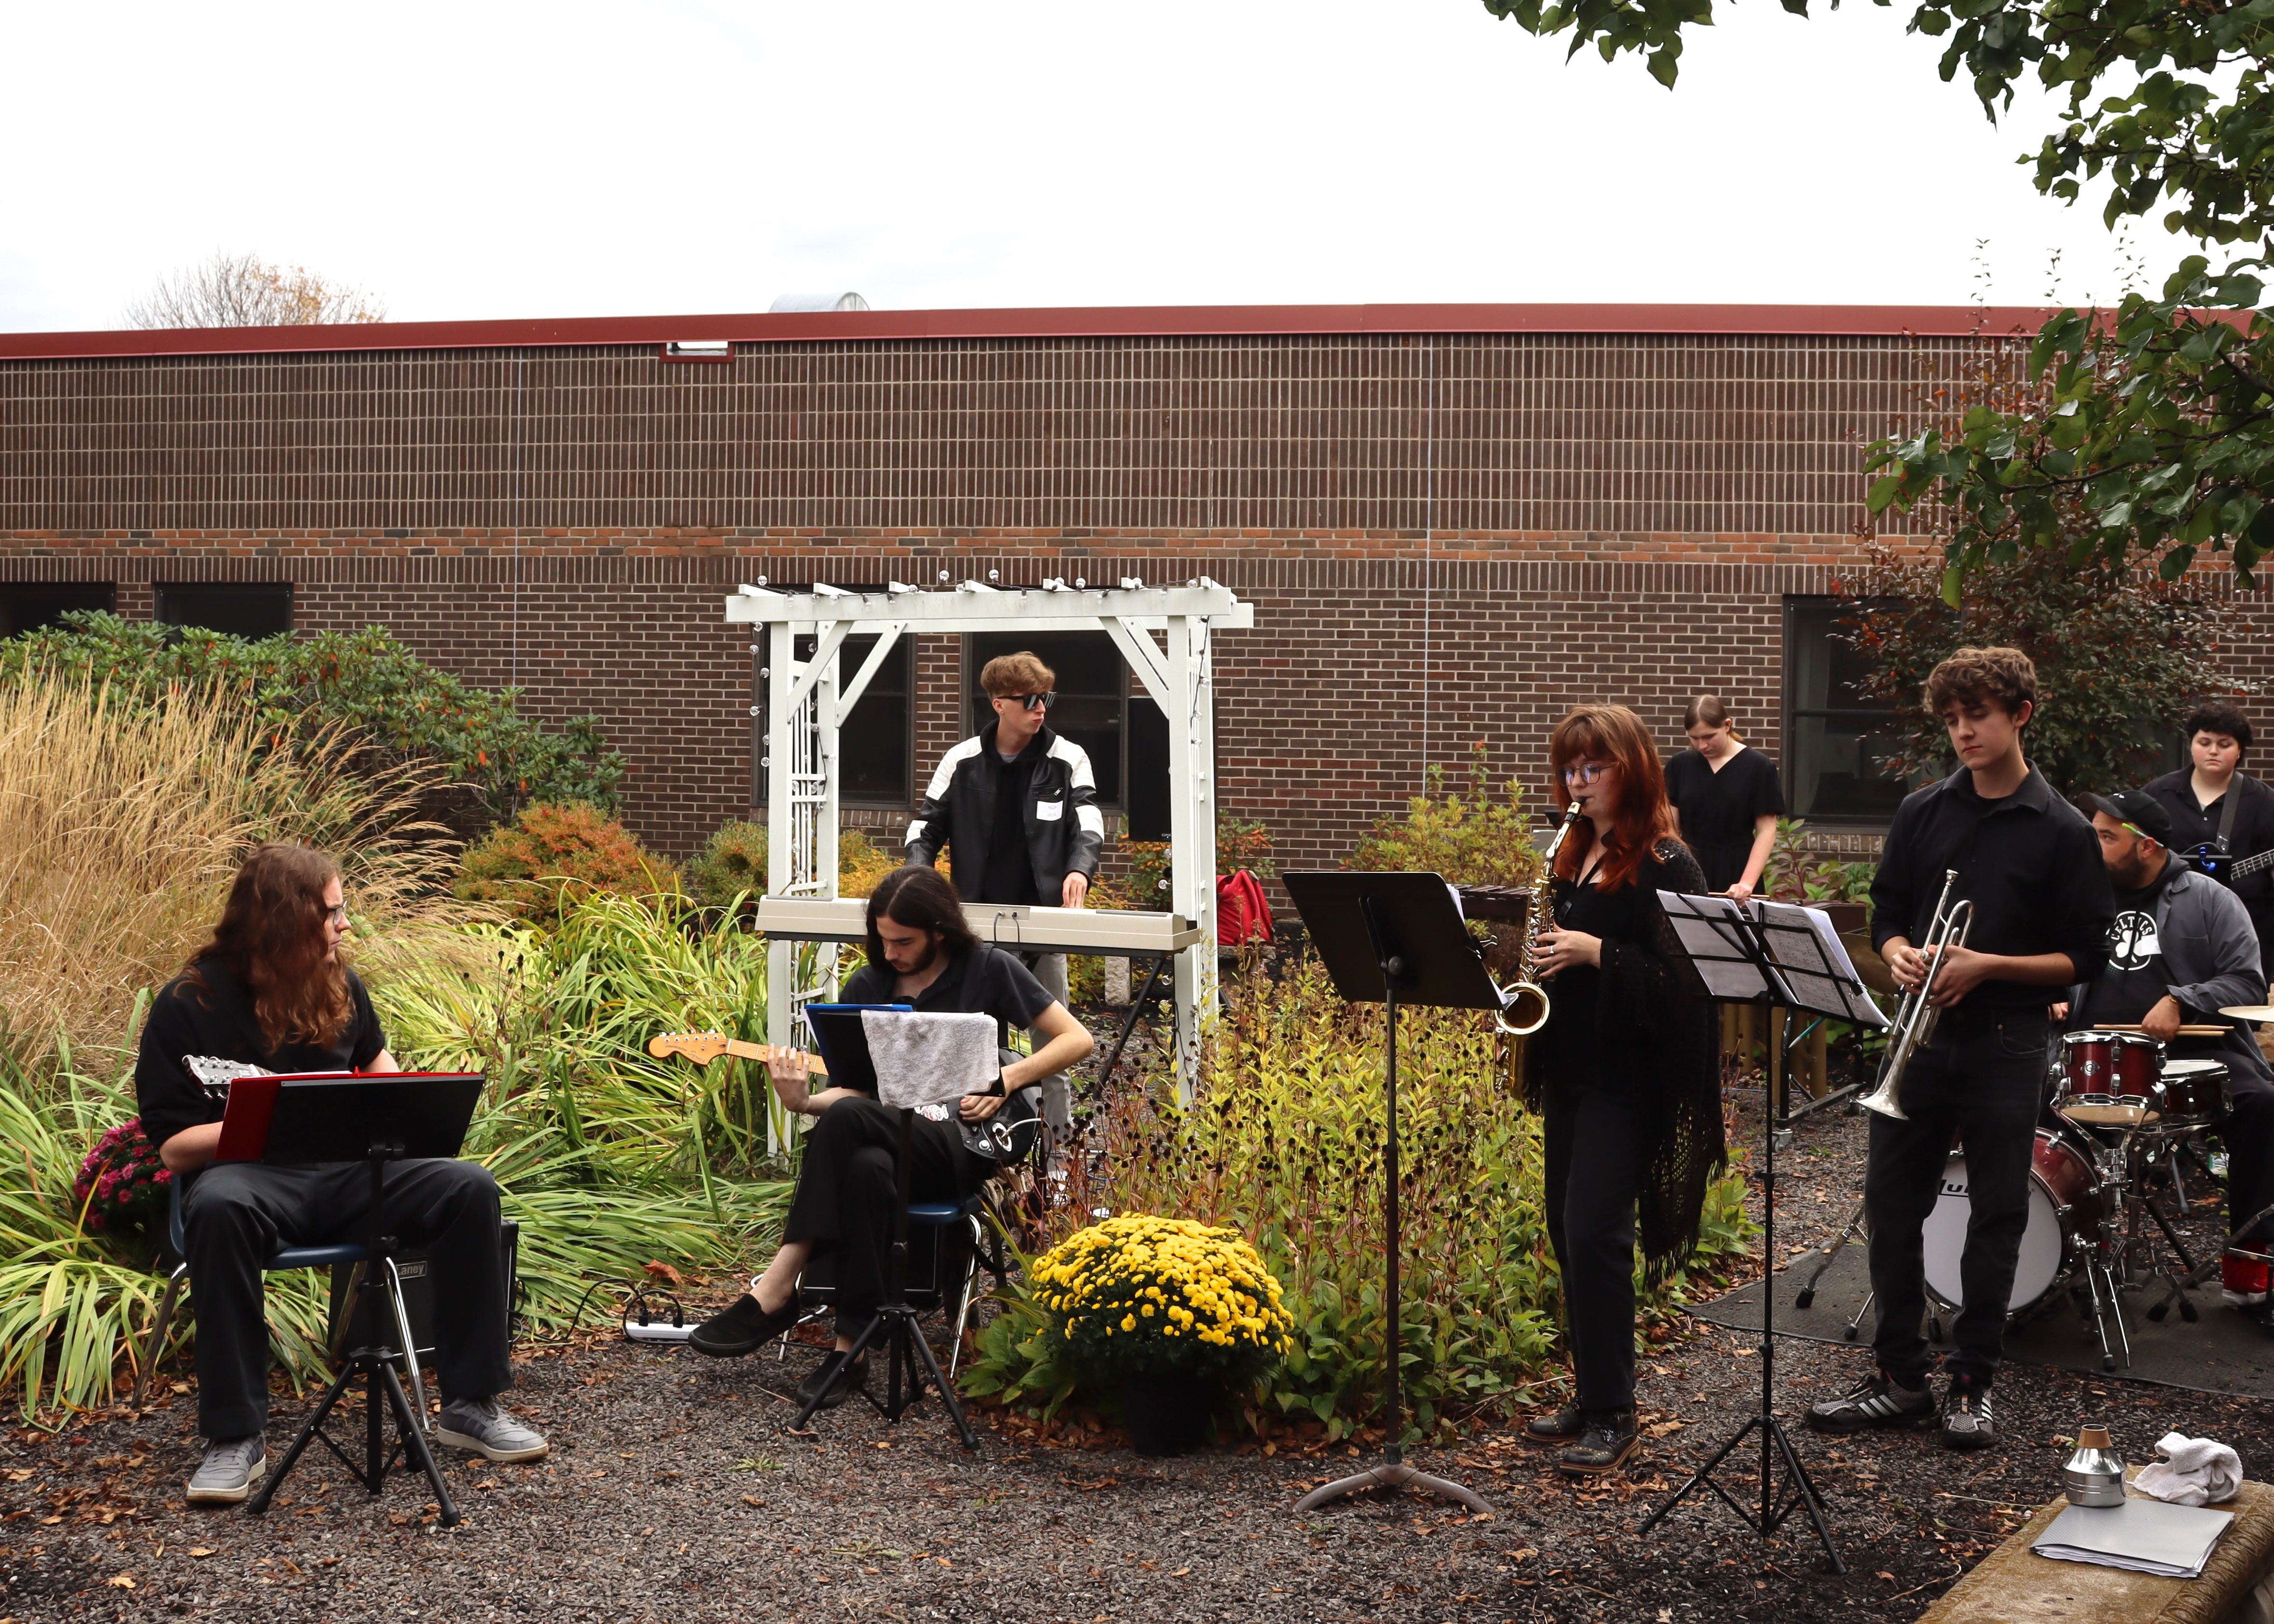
(259,1504)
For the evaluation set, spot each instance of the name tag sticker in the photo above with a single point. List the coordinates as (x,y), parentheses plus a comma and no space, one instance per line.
(1049,811)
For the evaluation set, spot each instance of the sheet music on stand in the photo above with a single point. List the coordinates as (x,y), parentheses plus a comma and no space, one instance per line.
(1800,961)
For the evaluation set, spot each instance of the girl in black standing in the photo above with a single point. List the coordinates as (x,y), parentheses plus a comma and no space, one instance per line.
(1726,800)
(1623,1073)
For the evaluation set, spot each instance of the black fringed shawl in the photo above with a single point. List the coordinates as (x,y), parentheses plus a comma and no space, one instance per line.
(1646,995)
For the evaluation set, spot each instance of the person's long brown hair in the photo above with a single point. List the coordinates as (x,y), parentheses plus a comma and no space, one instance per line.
(271,938)
(922,899)
(1615,734)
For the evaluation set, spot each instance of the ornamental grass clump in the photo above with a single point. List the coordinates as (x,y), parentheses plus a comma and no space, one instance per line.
(1137,1296)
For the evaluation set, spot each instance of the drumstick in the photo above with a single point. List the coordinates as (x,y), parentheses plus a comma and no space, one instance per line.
(2185,1031)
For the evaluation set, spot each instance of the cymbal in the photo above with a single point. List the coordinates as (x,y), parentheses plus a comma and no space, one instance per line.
(2249,1011)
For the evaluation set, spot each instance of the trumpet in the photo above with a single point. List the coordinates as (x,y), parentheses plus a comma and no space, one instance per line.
(1524,1002)
(1916,1014)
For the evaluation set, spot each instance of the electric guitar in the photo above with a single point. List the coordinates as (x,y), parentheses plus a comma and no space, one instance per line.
(1009,1135)
(2227,869)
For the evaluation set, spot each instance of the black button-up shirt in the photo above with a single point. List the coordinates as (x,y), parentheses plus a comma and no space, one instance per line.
(2029,864)
(2194,825)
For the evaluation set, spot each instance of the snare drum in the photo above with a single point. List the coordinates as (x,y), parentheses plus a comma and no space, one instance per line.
(2065,1221)
(2194,1093)
(2110,1079)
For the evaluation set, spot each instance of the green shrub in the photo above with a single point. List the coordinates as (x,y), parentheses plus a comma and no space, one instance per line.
(1794,873)
(552,857)
(402,707)
(1284,1142)
(1469,838)
(733,863)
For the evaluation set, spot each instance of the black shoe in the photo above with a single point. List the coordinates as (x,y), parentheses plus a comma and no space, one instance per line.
(741,1329)
(1560,1428)
(1967,1423)
(1607,1439)
(833,1380)
(1874,1402)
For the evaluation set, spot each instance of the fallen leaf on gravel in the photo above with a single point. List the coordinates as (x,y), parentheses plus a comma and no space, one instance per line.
(752,1500)
(663,1272)
(1180,1572)
(20,1475)
(1666,1615)
(200,1552)
(1889,1577)
(1524,1555)
(121,1582)
(1663,1428)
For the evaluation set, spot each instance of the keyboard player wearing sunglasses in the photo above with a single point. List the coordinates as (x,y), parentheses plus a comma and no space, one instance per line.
(1015,808)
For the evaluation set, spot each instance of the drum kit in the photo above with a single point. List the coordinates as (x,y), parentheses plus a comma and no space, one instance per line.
(2124,1114)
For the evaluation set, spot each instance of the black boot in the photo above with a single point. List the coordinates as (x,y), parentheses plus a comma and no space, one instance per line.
(1605,1446)
(1559,1428)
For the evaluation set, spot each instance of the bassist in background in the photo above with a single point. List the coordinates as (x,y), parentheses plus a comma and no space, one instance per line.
(2215,795)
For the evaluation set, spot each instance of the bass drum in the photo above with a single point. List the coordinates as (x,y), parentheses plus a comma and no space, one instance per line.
(2065,1218)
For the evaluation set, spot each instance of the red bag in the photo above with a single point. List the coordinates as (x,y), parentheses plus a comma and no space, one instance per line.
(1243,913)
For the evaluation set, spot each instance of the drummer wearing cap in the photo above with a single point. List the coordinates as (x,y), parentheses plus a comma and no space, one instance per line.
(2183,948)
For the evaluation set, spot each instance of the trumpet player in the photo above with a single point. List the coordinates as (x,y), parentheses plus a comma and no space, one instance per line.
(2030,865)
(1623,1074)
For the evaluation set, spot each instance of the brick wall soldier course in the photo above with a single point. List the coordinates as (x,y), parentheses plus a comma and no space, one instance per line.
(1553,510)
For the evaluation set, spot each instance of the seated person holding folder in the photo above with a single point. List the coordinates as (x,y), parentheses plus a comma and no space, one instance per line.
(921,953)
(270,991)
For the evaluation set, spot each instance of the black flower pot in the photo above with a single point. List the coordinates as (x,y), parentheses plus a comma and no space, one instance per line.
(1166,1414)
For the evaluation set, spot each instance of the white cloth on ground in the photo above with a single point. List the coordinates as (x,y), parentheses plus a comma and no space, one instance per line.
(2191,1471)
(922,1058)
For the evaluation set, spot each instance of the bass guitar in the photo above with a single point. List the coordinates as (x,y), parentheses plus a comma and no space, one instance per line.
(1009,1135)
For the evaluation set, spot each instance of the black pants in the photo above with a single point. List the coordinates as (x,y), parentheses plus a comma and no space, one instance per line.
(2247,1132)
(1596,1141)
(1982,1083)
(236,1214)
(848,1193)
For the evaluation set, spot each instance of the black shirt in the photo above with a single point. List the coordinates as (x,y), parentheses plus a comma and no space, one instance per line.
(985,980)
(217,1020)
(2134,982)
(2028,861)
(1008,876)
(1718,808)
(1577,1051)
(2195,824)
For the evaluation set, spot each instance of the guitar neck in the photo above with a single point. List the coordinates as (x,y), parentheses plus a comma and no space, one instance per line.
(2251,865)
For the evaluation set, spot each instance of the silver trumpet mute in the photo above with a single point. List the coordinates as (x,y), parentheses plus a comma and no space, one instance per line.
(1916,1015)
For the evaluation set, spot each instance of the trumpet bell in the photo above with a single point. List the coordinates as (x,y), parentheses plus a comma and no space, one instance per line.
(1524,1009)
(1882,1099)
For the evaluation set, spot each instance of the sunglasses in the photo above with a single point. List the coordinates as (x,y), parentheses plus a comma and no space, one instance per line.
(1035,701)
(1585,772)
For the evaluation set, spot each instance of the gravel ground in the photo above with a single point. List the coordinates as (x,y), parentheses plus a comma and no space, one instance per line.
(674,1493)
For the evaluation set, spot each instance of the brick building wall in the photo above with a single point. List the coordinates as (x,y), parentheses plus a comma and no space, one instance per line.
(1534,518)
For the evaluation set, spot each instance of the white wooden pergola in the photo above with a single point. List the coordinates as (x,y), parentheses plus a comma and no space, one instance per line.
(1164,633)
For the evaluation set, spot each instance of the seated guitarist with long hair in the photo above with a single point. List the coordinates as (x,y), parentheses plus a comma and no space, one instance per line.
(921,953)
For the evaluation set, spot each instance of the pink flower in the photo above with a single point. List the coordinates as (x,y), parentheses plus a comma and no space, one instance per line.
(124,1196)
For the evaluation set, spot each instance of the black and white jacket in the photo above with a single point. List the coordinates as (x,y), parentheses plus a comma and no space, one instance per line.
(1064,830)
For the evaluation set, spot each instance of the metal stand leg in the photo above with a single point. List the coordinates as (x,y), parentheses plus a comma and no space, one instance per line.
(1853,1229)
(156,1344)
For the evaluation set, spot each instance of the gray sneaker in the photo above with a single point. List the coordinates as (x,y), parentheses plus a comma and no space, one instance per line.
(229,1471)
(485,1427)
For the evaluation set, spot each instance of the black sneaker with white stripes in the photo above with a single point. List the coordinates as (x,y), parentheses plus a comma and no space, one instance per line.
(1875,1403)
(1967,1423)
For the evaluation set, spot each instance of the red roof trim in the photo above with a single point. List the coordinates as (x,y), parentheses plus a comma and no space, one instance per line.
(1165,321)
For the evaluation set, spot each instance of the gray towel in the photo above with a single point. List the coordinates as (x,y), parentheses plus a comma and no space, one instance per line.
(922,1058)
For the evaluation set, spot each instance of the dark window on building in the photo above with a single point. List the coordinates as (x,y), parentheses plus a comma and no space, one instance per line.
(1100,708)
(27,605)
(879,738)
(239,608)
(1839,746)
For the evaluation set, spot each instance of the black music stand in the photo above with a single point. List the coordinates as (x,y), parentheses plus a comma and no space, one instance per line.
(374,1120)
(908,1358)
(1767,954)
(1392,939)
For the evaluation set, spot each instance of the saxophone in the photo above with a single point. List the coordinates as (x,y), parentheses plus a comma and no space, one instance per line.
(1523,1005)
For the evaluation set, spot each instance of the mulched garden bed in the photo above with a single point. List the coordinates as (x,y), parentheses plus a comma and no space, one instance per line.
(675,1493)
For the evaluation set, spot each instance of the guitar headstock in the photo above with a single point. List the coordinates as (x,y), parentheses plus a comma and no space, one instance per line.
(701,1047)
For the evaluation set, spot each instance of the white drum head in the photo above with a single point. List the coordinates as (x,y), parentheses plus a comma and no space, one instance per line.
(2035,1272)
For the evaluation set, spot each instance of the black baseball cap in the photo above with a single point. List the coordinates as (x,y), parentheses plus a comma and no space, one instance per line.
(2139,811)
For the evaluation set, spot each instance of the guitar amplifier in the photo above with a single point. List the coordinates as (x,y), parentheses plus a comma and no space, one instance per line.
(349,1327)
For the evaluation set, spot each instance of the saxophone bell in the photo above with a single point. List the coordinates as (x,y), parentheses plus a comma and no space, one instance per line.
(1523,1002)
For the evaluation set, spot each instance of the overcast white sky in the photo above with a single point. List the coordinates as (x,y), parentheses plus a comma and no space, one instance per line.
(474,159)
